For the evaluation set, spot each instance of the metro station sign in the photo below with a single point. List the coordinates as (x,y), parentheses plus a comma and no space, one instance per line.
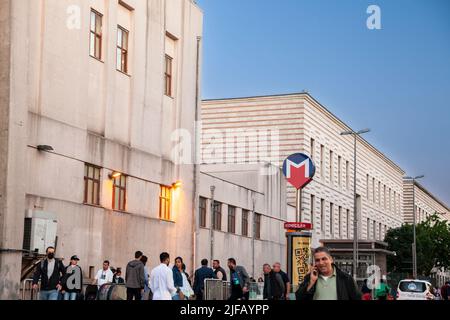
(297,226)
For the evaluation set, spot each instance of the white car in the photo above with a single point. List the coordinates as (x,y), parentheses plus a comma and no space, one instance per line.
(414,290)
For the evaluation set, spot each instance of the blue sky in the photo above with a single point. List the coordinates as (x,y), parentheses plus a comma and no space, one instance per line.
(395,81)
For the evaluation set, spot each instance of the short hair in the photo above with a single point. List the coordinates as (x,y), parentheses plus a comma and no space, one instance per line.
(324,250)
(267,265)
(204,262)
(216,261)
(138,254)
(50,247)
(164,256)
(106,261)
(232,260)
(144,259)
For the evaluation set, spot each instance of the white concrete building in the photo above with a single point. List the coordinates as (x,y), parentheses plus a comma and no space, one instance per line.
(269,128)
(248,218)
(105,83)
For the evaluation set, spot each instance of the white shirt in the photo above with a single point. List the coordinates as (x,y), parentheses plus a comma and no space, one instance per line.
(186,288)
(103,277)
(161,283)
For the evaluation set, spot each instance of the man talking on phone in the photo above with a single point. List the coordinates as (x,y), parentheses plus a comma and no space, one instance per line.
(325,281)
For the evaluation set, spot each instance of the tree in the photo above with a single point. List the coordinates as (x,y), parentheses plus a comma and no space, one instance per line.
(433,246)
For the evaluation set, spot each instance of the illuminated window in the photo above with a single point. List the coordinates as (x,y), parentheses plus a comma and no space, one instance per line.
(202,212)
(165,202)
(119,192)
(231,219)
(95,40)
(122,49)
(91,184)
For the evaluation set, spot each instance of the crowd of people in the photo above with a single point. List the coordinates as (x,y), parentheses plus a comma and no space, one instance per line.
(325,281)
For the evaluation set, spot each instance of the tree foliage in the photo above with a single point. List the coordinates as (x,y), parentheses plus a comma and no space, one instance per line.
(433,246)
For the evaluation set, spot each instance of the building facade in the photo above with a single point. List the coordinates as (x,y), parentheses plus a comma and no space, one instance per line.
(270,128)
(91,93)
(242,212)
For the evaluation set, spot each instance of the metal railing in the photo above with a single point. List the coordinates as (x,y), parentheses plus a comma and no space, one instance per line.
(27,291)
(216,290)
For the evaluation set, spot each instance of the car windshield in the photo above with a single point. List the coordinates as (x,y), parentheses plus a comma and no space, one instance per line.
(412,286)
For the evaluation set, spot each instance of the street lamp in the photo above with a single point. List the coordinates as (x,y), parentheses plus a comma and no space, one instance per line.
(414,244)
(355,215)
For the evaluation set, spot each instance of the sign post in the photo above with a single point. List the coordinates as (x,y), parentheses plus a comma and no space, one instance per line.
(299,170)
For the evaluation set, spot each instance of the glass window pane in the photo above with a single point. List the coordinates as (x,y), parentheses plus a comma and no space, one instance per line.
(98,25)
(90,187)
(125,40)
(98,45)
(91,172)
(116,198)
(122,200)
(119,37)
(119,59)
(93,15)
(97,173)
(96,189)
(92,45)
(85,170)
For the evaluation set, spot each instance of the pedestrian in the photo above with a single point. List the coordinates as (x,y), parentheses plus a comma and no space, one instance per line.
(366,292)
(72,281)
(104,275)
(273,284)
(135,277)
(161,280)
(180,281)
(284,275)
(117,278)
(326,281)
(239,281)
(49,271)
(146,293)
(204,272)
(382,291)
(220,272)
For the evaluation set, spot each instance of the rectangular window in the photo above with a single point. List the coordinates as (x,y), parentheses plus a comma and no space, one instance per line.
(165,203)
(231,219)
(331,168)
(245,223)
(379,232)
(373,190)
(95,40)
(257,226)
(374,230)
(313,200)
(119,192)
(368,229)
(168,76)
(331,220)
(312,148)
(217,215)
(322,161)
(202,212)
(348,224)
(385,230)
(91,184)
(122,49)
(347,174)
(384,196)
(339,171)
(340,222)
(322,220)
(390,201)
(367,187)
(379,193)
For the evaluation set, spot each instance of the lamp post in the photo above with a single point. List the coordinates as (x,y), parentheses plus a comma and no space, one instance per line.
(355,134)
(414,244)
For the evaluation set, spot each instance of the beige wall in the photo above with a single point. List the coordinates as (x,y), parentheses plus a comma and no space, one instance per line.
(90,112)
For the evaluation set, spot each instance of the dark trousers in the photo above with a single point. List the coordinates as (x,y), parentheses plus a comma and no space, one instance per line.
(199,295)
(134,293)
(236,293)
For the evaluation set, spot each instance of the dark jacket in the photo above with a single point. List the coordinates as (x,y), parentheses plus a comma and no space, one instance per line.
(244,279)
(222,270)
(118,280)
(69,278)
(345,286)
(274,287)
(178,277)
(199,279)
(55,278)
(134,277)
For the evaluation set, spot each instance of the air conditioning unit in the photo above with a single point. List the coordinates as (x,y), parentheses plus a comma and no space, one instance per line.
(39,231)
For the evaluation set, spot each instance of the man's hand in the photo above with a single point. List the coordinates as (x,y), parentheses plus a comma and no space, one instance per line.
(59,287)
(287,296)
(245,289)
(314,275)
(35,286)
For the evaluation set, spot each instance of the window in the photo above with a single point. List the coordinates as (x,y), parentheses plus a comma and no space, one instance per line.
(231,219)
(379,231)
(91,184)
(95,39)
(322,220)
(165,203)
(331,220)
(217,215)
(313,200)
(119,192)
(257,226)
(367,187)
(379,193)
(390,200)
(312,148)
(347,174)
(245,223)
(340,222)
(122,49)
(202,212)
(168,76)
(374,230)
(322,161)
(368,228)
(331,168)
(339,171)
(384,196)
(348,224)
(373,190)
(385,230)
